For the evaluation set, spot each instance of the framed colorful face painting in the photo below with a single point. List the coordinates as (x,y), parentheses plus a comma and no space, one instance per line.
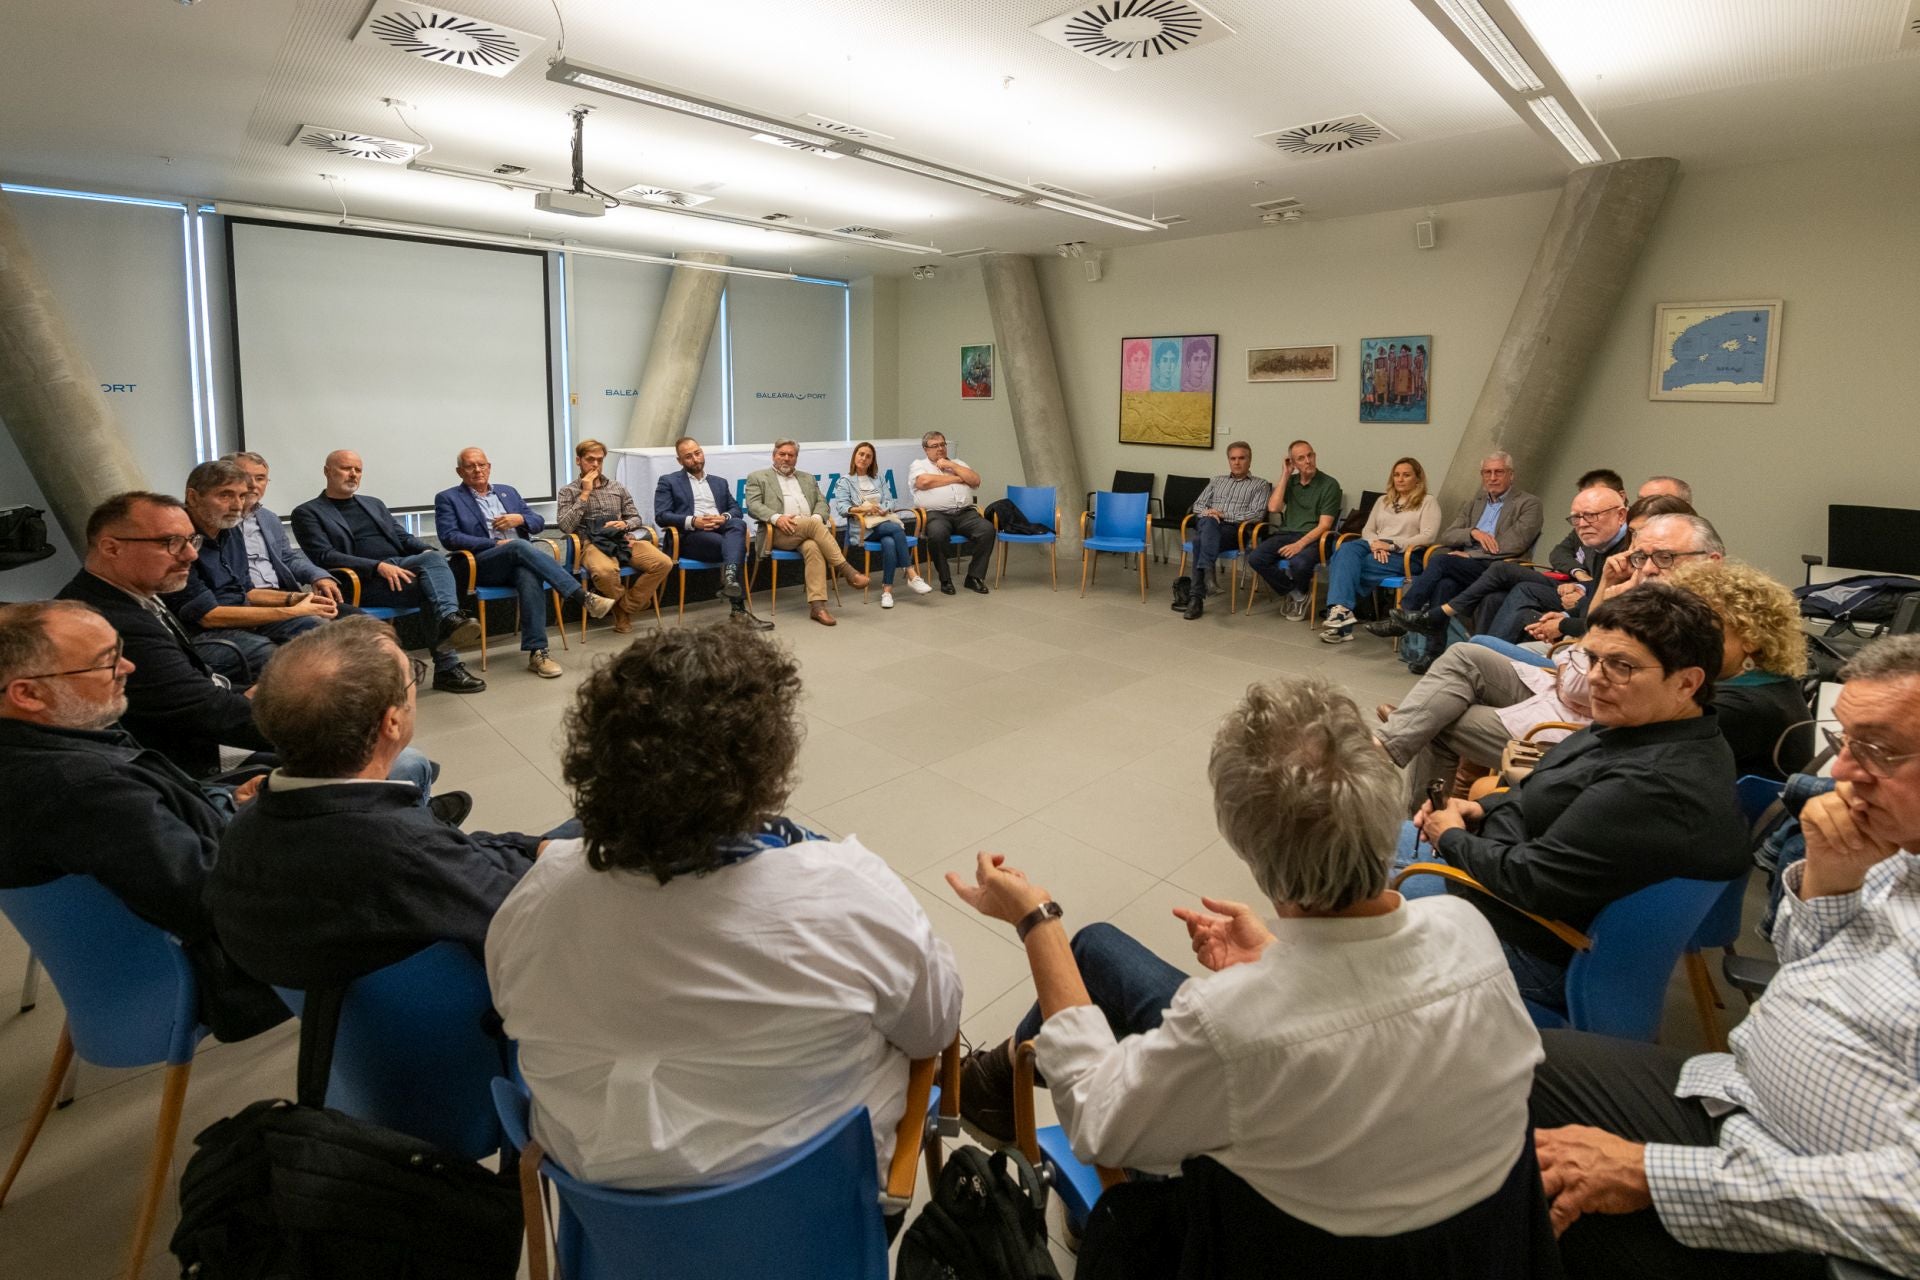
(1167,389)
(1396,378)
(976,372)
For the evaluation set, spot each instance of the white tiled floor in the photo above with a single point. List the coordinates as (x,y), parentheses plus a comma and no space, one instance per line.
(1071,735)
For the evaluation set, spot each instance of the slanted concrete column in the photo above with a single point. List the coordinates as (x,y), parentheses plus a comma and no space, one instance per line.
(1579,272)
(1032,381)
(50,398)
(680,340)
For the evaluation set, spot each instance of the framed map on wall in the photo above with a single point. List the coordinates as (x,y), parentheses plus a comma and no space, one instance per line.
(1715,351)
(1166,390)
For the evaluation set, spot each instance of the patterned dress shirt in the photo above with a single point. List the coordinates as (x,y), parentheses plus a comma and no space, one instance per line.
(1821,1147)
(1239,500)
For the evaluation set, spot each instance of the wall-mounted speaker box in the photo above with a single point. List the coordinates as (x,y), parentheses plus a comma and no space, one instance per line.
(1423,237)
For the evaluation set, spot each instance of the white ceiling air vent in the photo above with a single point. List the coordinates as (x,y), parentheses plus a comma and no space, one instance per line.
(1910,27)
(970,253)
(1328,137)
(841,127)
(1273,206)
(360,146)
(452,39)
(1171,219)
(795,144)
(868,233)
(1124,33)
(666,195)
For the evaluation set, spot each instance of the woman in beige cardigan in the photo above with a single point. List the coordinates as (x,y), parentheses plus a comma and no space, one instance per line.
(1405,516)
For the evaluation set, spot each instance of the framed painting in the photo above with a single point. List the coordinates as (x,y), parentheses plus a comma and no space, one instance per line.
(1292,364)
(1167,390)
(976,372)
(1726,352)
(1396,378)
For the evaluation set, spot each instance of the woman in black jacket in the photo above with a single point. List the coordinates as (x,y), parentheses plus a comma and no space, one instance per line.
(1763,714)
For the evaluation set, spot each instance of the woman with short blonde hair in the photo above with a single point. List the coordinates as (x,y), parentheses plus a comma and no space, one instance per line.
(1763,715)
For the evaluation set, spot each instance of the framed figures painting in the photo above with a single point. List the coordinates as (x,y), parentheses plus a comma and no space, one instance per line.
(1396,376)
(1167,390)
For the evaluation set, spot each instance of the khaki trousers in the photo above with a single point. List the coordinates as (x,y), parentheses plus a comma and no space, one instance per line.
(650,568)
(818,552)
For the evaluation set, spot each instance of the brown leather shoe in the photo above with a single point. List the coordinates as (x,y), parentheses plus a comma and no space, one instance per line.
(622,619)
(1384,710)
(818,612)
(854,577)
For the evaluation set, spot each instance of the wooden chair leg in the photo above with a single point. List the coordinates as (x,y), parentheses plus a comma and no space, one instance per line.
(1706,1000)
(560,615)
(42,1107)
(1053,563)
(481,607)
(1001,577)
(1142,558)
(1085,555)
(683,597)
(173,1096)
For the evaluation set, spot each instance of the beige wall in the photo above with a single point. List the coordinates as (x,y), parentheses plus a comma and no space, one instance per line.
(937,318)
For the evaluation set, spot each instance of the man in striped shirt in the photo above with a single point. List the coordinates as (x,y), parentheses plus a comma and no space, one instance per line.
(1805,1139)
(1224,505)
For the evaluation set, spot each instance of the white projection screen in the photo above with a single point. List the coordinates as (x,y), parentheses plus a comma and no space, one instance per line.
(405,351)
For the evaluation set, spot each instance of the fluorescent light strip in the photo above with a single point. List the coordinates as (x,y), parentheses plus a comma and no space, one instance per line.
(100,196)
(1561,125)
(726,372)
(200,453)
(1478,26)
(805,148)
(566,366)
(603,80)
(206,331)
(313,218)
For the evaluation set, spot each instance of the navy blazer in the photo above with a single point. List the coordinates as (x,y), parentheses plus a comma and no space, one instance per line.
(324,535)
(461,526)
(673,499)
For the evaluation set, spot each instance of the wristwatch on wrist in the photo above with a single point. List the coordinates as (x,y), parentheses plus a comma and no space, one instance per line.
(1048,910)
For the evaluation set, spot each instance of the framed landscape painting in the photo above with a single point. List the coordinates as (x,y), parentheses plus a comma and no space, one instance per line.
(1166,390)
(1292,364)
(976,372)
(1396,377)
(1727,352)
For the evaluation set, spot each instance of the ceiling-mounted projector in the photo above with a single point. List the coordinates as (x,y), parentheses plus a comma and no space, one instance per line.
(575,204)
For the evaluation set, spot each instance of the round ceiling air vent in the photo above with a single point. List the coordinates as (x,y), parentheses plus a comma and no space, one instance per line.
(1132,31)
(1328,137)
(868,233)
(360,146)
(666,196)
(451,39)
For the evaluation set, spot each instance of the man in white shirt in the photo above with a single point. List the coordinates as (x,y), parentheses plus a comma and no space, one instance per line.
(1362,1061)
(699,984)
(789,502)
(1805,1138)
(944,488)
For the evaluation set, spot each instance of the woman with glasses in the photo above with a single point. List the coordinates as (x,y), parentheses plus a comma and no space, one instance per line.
(860,496)
(1643,794)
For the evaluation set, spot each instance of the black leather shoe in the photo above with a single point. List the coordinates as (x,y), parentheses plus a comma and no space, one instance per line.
(1417,620)
(730,583)
(946,587)
(458,631)
(1386,629)
(1182,592)
(986,1092)
(745,617)
(1196,605)
(451,807)
(457,679)
(977,584)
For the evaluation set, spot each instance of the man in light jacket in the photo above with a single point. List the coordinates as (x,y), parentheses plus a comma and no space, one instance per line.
(789,502)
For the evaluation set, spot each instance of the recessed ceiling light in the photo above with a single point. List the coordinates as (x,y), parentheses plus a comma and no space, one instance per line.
(1478,26)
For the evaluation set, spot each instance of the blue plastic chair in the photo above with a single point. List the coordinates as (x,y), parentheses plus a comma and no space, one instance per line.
(776,558)
(413,1052)
(482,595)
(132,1001)
(1050,1152)
(384,612)
(1119,525)
(1721,928)
(1247,535)
(682,565)
(1039,504)
(574,562)
(811,1214)
(869,548)
(1618,985)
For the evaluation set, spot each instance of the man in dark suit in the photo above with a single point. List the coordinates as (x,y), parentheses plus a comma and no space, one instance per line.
(345,529)
(702,508)
(83,798)
(493,523)
(234,606)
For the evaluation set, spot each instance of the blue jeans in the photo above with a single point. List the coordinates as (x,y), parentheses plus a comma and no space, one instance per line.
(530,570)
(1540,980)
(1128,983)
(438,596)
(894,550)
(1354,569)
(1284,576)
(413,766)
(1206,534)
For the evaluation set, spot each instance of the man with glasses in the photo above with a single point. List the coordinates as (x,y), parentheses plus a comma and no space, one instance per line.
(271,552)
(345,529)
(944,488)
(81,797)
(1500,522)
(1510,596)
(333,871)
(1800,1142)
(1662,542)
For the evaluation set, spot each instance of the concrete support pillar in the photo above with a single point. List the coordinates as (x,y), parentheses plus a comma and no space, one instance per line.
(50,398)
(680,340)
(1024,354)
(1579,272)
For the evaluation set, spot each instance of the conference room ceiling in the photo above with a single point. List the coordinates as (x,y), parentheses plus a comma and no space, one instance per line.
(204,100)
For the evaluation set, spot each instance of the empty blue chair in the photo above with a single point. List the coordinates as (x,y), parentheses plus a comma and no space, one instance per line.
(1038,505)
(482,595)
(414,1051)
(1119,523)
(131,1000)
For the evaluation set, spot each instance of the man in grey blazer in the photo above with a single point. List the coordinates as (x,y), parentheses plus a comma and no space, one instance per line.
(789,502)
(1499,523)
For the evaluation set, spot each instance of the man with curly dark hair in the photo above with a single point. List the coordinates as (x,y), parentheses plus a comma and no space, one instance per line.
(699,983)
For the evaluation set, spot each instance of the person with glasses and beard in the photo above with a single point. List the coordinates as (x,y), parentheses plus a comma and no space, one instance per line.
(1643,794)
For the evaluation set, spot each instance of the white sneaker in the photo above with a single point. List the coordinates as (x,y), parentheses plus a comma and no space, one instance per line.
(920,586)
(886,597)
(1339,616)
(1295,608)
(598,606)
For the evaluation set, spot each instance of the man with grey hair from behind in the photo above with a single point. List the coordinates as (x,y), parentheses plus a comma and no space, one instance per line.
(1359,1060)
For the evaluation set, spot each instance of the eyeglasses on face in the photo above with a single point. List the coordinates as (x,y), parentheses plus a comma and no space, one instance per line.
(1592,518)
(1496,471)
(173,542)
(1881,762)
(1664,559)
(1617,670)
(419,667)
(112,663)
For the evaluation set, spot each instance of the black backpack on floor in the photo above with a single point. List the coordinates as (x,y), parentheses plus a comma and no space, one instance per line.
(987,1221)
